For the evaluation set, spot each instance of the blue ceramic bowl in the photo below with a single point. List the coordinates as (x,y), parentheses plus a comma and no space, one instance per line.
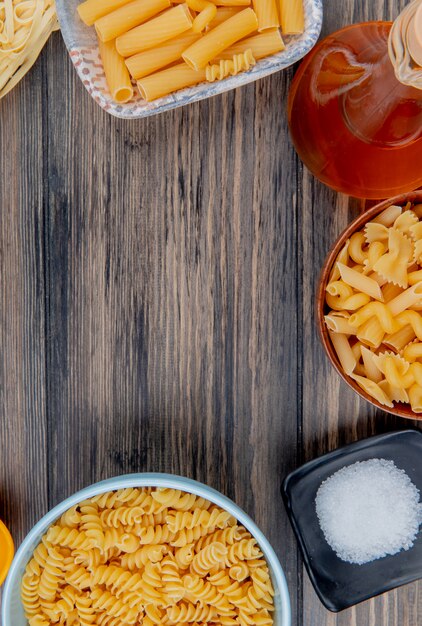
(12,610)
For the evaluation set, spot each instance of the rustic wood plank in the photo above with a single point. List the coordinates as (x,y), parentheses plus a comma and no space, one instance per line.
(171,266)
(23,423)
(335,416)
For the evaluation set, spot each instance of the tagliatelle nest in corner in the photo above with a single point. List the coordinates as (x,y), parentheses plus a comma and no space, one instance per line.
(25,26)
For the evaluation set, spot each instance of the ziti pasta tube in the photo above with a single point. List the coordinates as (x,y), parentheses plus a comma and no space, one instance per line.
(116,72)
(266,11)
(292,17)
(167,25)
(150,61)
(171,79)
(262,45)
(92,10)
(120,21)
(219,38)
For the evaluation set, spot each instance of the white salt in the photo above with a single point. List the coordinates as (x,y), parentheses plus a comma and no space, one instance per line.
(368,510)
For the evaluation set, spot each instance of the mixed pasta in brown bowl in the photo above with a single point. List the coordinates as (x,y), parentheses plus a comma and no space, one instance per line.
(124,552)
(369,305)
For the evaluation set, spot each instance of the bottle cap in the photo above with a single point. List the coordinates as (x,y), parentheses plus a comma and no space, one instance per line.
(414,37)
(6,551)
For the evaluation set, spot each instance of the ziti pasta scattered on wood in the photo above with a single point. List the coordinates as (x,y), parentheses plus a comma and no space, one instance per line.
(167,45)
(374,296)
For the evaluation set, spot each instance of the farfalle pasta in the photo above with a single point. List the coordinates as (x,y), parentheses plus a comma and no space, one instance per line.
(374,297)
(148,556)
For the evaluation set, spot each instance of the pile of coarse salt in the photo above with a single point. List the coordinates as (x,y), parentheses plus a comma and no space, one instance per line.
(368,510)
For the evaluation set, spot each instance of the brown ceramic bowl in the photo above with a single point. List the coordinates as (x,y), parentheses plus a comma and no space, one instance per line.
(402,410)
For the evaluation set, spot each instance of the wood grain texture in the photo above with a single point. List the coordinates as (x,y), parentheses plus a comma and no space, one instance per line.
(157,280)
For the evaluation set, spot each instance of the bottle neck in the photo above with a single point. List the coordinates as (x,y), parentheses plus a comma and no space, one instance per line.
(405,45)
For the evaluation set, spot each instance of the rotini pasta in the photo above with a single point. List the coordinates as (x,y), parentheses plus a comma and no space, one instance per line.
(165,557)
(379,342)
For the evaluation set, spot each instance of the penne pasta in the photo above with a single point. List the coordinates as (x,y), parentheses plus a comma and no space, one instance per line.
(117,75)
(407,298)
(292,18)
(91,10)
(206,13)
(371,333)
(362,283)
(219,38)
(371,369)
(155,59)
(165,26)
(261,45)
(130,15)
(171,79)
(266,12)
(398,340)
(344,352)
(372,389)
(338,324)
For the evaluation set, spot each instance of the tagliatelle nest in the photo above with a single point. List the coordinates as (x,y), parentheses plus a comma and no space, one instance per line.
(25,26)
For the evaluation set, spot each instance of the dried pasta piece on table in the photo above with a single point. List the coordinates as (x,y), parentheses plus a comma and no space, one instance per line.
(372,389)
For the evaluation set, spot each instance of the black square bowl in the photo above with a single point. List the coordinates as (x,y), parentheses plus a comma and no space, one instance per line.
(340,584)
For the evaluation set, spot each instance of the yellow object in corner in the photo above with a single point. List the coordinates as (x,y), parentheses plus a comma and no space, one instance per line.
(7,551)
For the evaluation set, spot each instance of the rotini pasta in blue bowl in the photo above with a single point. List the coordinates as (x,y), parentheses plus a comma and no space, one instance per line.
(146,549)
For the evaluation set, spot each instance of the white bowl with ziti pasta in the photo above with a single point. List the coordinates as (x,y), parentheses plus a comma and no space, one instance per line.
(146,549)
(369,305)
(141,57)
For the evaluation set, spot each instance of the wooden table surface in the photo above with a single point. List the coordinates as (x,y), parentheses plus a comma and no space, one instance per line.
(157,283)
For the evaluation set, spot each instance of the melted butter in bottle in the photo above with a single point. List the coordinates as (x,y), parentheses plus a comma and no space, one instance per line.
(355,118)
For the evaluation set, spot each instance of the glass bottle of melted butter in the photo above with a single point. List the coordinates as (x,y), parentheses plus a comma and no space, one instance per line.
(355,107)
